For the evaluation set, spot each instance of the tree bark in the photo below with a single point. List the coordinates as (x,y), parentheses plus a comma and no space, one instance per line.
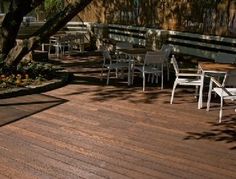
(49,28)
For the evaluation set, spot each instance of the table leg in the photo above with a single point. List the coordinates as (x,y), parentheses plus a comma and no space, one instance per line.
(129,71)
(200,99)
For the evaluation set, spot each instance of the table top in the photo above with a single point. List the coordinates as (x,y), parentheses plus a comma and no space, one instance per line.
(134,51)
(216,67)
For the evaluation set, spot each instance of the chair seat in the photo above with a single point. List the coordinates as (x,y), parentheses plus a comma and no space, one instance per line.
(188,81)
(148,69)
(117,65)
(223,93)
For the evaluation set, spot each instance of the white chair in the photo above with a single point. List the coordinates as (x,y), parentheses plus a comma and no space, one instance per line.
(225,58)
(153,64)
(54,43)
(111,64)
(186,77)
(226,90)
(59,43)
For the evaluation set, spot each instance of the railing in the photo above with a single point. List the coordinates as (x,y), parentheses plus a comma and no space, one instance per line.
(135,35)
(203,46)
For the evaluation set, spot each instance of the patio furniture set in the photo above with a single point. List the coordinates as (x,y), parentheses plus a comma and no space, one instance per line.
(151,64)
(62,42)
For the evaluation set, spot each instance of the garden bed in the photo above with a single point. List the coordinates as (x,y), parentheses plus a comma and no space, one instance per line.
(61,78)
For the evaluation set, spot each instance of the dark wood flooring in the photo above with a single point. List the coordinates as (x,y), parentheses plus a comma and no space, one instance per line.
(89,130)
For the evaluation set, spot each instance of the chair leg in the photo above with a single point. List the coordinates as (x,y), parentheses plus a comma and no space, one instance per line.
(49,50)
(108,76)
(132,76)
(173,92)
(221,109)
(162,78)
(122,73)
(101,75)
(200,98)
(153,76)
(144,81)
(116,72)
(149,76)
(208,101)
(209,96)
(168,71)
(196,92)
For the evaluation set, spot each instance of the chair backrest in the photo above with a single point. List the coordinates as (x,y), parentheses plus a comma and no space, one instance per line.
(175,64)
(106,56)
(225,58)
(123,45)
(154,58)
(167,49)
(230,79)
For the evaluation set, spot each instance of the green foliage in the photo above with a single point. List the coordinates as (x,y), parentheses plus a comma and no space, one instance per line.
(52,7)
(27,73)
(37,69)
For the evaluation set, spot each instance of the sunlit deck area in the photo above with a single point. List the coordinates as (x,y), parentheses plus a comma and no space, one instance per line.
(89,130)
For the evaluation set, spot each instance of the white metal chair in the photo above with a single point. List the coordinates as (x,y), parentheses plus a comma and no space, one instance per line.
(153,64)
(186,77)
(225,58)
(59,43)
(226,90)
(54,43)
(111,64)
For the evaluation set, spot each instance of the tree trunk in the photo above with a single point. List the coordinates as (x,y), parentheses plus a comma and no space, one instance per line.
(11,23)
(49,28)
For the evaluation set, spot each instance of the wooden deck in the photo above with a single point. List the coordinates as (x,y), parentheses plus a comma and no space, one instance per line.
(89,130)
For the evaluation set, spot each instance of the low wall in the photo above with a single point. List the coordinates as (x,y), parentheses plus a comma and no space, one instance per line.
(203,46)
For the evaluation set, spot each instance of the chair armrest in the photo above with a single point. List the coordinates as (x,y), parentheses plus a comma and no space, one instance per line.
(216,82)
(190,74)
(188,69)
(213,80)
